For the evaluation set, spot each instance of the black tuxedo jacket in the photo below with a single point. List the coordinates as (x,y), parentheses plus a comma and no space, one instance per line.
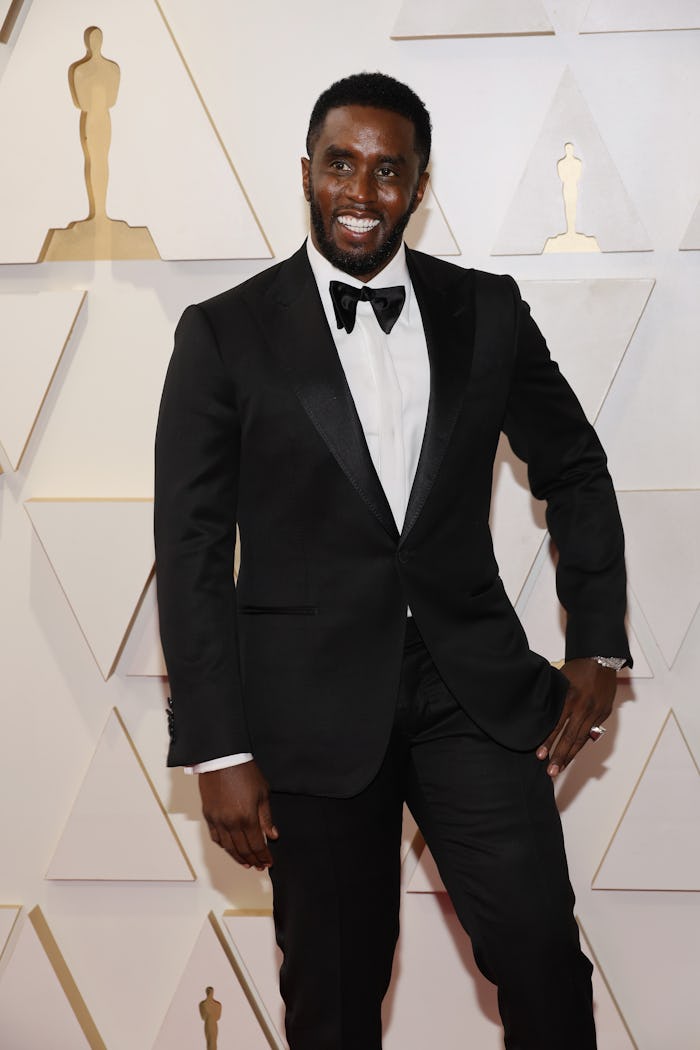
(299,662)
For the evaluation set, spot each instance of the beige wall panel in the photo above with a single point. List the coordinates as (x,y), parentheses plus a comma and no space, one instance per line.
(9,12)
(8,918)
(604,209)
(95,434)
(426,877)
(40,1006)
(544,620)
(446,1004)
(143,653)
(167,169)
(620,16)
(610,1024)
(40,327)
(682,691)
(102,552)
(649,423)
(651,939)
(211,964)
(657,842)
(253,934)
(471,18)
(517,521)
(428,230)
(691,241)
(663,555)
(588,326)
(118,828)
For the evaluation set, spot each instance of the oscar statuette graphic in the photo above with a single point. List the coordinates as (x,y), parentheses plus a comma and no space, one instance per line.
(569,171)
(210,1012)
(94,86)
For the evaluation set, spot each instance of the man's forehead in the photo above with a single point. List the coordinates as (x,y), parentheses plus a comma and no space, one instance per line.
(359,121)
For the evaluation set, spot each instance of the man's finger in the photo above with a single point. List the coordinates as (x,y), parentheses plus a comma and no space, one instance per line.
(232,843)
(251,844)
(265,817)
(570,743)
(547,745)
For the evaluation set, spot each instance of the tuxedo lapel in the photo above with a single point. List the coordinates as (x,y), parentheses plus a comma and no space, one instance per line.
(447,310)
(297,330)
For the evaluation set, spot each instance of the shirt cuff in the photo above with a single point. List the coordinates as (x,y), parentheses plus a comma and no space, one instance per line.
(219,763)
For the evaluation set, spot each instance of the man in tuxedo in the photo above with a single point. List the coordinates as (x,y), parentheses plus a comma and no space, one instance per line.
(343,408)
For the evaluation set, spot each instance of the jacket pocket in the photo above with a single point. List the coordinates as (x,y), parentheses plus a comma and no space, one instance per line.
(278,610)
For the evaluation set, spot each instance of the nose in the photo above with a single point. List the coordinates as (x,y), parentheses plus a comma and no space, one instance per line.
(361,186)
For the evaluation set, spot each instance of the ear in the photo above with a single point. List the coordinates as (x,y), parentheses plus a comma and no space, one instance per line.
(305,176)
(421,188)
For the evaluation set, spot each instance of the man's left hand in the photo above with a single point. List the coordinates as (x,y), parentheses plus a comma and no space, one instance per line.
(588,702)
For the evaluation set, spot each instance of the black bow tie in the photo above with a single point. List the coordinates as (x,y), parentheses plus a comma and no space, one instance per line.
(387,304)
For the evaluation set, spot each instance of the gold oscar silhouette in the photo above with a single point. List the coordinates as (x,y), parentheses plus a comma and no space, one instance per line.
(569,171)
(210,1012)
(94,86)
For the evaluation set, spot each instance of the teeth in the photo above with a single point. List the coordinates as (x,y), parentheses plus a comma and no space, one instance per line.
(361,225)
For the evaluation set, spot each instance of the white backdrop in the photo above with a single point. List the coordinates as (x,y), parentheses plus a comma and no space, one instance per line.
(115,911)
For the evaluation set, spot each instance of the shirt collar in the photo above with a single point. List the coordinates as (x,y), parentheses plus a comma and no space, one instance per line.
(394,273)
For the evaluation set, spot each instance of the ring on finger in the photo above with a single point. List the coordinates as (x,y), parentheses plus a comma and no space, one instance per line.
(596,732)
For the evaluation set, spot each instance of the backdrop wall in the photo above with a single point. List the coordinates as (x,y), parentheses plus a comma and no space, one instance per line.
(115,910)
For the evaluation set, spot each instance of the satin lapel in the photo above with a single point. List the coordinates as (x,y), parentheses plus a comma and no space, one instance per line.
(294,322)
(447,310)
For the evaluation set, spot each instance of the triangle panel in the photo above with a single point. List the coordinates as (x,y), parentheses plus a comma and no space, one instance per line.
(426,877)
(40,1005)
(657,843)
(611,1026)
(438,997)
(102,553)
(517,521)
(143,653)
(444,18)
(211,965)
(8,918)
(253,933)
(621,16)
(691,241)
(603,210)
(589,324)
(27,368)
(118,828)
(543,620)
(428,230)
(9,12)
(168,168)
(662,532)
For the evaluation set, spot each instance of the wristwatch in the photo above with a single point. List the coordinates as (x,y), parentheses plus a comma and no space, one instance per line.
(615,663)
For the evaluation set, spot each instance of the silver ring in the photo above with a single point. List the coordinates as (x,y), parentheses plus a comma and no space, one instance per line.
(596,732)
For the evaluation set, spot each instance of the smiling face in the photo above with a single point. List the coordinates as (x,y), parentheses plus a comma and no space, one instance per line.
(363,182)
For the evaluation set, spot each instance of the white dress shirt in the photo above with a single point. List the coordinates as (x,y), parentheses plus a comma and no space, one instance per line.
(389,379)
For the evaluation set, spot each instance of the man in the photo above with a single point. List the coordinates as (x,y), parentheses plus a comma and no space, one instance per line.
(368,653)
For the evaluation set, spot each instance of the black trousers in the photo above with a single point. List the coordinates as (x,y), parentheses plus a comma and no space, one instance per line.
(489,817)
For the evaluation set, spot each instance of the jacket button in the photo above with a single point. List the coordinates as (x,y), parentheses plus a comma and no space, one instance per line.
(404,557)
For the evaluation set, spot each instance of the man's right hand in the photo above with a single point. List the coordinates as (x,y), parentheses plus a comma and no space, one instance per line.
(236,807)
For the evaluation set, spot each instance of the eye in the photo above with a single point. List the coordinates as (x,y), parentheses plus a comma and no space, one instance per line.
(340,165)
(386,172)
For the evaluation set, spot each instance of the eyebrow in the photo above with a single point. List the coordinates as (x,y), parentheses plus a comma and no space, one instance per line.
(340,153)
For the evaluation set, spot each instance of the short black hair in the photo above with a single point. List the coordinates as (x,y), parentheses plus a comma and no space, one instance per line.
(381,92)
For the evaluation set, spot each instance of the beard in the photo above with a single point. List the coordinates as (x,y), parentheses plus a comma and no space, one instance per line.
(363,261)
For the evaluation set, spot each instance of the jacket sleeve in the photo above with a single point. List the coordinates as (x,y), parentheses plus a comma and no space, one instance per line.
(197,455)
(567,467)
